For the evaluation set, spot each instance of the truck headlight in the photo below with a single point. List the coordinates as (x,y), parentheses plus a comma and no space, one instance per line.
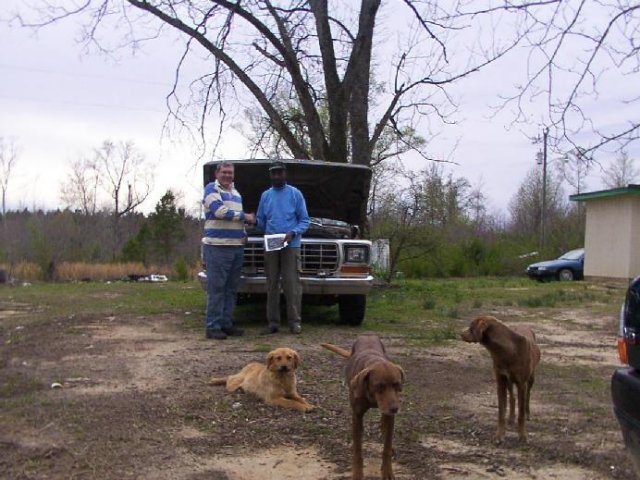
(357,254)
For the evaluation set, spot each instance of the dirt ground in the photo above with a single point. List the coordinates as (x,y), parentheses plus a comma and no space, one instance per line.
(134,403)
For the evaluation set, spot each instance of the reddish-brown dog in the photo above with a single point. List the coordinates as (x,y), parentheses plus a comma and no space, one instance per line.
(274,383)
(374,382)
(515,356)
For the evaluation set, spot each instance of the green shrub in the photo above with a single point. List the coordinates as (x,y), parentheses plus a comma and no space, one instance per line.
(182,269)
(429,304)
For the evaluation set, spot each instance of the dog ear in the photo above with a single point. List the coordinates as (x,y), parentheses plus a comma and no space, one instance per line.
(296,359)
(270,358)
(480,326)
(359,383)
(402,374)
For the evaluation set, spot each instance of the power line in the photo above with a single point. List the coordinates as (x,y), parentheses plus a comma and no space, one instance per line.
(83,75)
(81,104)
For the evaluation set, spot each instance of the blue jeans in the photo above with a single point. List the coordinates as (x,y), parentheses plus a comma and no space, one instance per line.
(223,276)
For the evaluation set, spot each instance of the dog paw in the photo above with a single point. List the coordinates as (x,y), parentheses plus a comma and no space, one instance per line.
(309,408)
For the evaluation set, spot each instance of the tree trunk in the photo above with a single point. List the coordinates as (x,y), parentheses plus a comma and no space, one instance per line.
(357,83)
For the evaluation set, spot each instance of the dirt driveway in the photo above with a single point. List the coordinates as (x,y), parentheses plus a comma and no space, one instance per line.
(134,403)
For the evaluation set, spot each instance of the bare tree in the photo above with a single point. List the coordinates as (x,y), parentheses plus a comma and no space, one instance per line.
(80,190)
(321,56)
(621,172)
(577,50)
(126,174)
(397,213)
(316,55)
(526,205)
(126,177)
(8,161)
(476,206)
(574,170)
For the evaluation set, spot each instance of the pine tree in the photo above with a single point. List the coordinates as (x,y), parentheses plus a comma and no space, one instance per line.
(166,224)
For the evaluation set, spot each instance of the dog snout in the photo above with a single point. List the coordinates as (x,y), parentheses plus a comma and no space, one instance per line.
(390,409)
(283,368)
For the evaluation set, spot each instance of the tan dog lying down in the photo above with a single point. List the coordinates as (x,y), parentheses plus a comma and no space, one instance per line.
(274,383)
(515,356)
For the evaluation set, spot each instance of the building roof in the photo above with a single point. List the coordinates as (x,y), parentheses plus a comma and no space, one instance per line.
(630,189)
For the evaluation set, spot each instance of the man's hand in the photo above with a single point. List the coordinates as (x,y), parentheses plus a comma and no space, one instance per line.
(289,236)
(250,218)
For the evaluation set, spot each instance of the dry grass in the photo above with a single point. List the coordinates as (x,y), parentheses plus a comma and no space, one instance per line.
(68,271)
(81,271)
(22,270)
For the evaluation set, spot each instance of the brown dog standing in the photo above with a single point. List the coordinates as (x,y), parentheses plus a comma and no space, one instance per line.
(374,382)
(515,356)
(274,383)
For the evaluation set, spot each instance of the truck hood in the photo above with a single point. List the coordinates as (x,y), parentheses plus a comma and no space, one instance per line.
(331,190)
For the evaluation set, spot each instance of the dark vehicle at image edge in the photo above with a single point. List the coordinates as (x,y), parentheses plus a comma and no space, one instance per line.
(625,383)
(335,263)
(569,266)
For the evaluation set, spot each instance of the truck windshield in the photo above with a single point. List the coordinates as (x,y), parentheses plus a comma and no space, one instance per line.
(632,305)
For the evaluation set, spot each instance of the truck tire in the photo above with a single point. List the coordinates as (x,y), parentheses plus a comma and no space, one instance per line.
(352,308)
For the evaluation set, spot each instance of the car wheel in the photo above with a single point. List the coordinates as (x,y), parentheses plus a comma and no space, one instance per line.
(565,275)
(352,308)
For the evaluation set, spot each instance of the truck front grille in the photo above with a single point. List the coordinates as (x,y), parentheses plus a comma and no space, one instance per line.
(319,256)
(253,258)
(314,257)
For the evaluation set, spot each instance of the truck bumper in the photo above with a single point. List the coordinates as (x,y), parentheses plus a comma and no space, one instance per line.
(310,285)
(625,392)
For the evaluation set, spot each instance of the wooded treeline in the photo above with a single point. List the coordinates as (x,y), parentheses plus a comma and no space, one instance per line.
(438,225)
(165,237)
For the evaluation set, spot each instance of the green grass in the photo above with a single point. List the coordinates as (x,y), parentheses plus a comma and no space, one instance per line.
(108,298)
(423,311)
(431,311)
(263,347)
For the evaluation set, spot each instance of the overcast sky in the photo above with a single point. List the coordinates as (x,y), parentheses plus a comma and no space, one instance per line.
(59,103)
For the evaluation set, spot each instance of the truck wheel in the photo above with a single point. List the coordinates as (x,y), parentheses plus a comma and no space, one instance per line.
(352,308)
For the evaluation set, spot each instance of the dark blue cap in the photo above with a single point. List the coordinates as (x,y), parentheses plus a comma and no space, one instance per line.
(277,165)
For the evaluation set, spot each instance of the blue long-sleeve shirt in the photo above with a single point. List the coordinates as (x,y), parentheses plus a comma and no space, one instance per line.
(283,210)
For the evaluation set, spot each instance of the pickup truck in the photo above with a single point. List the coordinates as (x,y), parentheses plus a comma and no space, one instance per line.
(335,260)
(625,383)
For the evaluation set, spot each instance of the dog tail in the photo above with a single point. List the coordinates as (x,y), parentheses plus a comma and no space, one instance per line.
(218,381)
(340,351)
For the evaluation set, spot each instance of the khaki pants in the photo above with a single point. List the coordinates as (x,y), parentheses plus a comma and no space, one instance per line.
(283,264)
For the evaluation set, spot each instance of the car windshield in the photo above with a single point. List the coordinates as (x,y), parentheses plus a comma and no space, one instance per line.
(573,255)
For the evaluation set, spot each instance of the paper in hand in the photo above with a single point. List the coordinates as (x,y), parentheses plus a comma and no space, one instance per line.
(274,242)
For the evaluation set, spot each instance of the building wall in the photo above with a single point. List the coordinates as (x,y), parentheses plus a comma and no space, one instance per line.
(612,236)
(634,238)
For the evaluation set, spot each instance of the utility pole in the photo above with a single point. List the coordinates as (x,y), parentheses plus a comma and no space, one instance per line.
(545,133)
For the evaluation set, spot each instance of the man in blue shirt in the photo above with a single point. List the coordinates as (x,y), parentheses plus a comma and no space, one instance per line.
(282,209)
